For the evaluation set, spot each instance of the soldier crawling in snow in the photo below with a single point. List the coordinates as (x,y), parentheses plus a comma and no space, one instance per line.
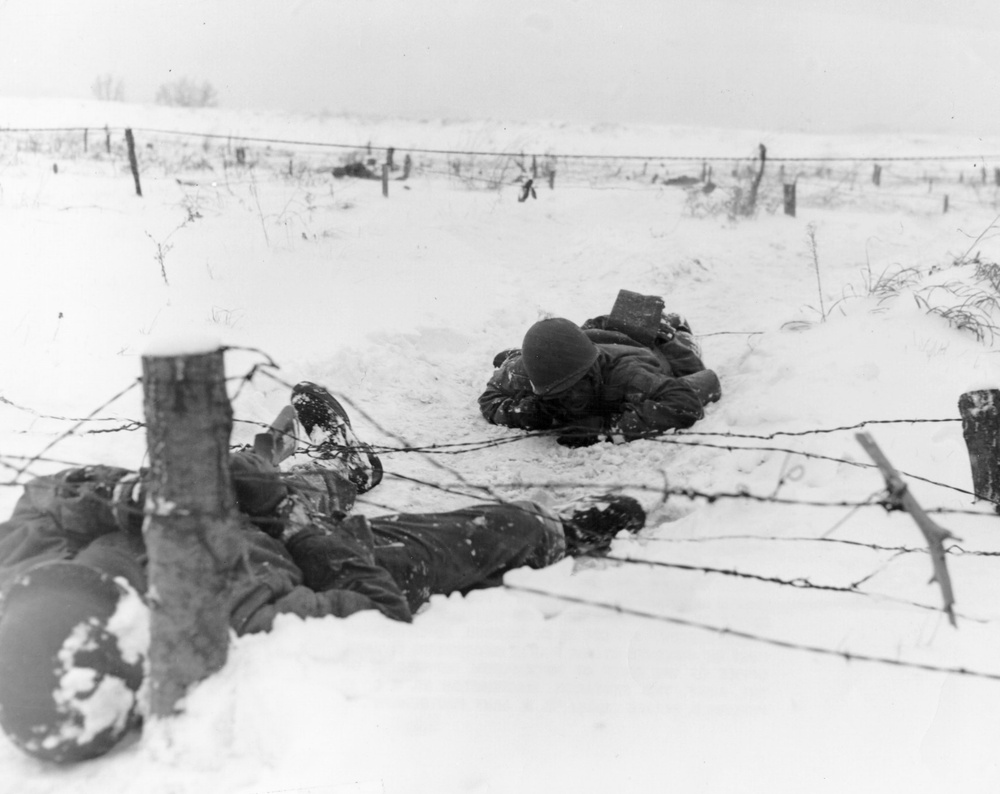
(609,379)
(73,552)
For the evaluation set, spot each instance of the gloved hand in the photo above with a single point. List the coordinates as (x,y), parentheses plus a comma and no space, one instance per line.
(582,432)
(674,321)
(500,358)
(532,413)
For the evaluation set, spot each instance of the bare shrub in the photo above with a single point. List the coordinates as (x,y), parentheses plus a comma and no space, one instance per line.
(187,93)
(108,88)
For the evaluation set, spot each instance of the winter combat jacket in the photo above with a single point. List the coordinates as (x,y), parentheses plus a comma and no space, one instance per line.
(60,517)
(631,391)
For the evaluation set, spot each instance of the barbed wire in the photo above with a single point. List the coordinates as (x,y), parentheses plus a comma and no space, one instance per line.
(814,431)
(79,423)
(799,582)
(428,451)
(368,146)
(479,491)
(725,631)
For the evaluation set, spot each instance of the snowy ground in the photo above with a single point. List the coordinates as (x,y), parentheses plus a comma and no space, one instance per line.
(399,304)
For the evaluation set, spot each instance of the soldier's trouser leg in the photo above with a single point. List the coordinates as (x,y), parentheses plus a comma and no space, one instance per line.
(465,549)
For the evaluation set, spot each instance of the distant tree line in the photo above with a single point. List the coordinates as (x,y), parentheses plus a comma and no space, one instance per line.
(183,92)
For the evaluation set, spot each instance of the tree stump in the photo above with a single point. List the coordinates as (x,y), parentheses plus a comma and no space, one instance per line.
(191,526)
(980,412)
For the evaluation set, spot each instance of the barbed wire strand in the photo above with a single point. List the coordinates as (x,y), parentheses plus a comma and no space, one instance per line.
(800,582)
(745,635)
(71,431)
(368,146)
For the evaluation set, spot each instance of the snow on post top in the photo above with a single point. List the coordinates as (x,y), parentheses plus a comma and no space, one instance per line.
(182,344)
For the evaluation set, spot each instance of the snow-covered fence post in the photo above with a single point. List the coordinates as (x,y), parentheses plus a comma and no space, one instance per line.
(900,498)
(996,177)
(132,161)
(877,175)
(191,529)
(945,206)
(407,165)
(980,412)
(86,131)
(385,180)
(107,139)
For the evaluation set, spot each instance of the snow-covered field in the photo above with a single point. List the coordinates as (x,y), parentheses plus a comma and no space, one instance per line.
(641,678)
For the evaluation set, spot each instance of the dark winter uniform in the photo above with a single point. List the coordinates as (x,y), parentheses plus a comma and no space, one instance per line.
(72,555)
(73,618)
(597,383)
(334,566)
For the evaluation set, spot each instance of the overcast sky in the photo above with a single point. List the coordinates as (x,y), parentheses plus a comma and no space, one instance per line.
(813,65)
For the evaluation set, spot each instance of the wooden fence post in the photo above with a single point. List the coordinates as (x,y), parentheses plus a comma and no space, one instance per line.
(132,161)
(407,165)
(751,201)
(945,209)
(107,140)
(85,131)
(996,176)
(385,180)
(390,153)
(191,530)
(980,412)
(790,199)
(877,175)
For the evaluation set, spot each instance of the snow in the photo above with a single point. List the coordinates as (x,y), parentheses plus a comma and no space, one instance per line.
(591,676)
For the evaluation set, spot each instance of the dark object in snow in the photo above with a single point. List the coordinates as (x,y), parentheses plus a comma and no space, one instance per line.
(636,315)
(556,354)
(527,189)
(617,377)
(357,170)
(591,523)
(503,355)
(329,428)
(980,412)
(682,181)
(706,384)
(68,688)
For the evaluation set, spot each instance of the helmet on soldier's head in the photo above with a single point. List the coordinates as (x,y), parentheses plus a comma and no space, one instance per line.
(73,645)
(556,355)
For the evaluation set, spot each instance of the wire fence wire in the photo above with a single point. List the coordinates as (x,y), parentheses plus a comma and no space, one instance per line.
(713,183)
